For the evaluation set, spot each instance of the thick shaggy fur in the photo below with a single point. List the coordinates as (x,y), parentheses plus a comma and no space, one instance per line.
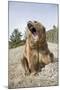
(36,49)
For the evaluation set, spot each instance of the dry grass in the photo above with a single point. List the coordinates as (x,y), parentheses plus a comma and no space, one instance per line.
(16,77)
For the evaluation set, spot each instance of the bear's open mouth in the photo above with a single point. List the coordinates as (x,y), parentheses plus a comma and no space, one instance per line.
(33,31)
(32,28)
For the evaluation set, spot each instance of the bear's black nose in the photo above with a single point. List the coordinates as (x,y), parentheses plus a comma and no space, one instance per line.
(29,24)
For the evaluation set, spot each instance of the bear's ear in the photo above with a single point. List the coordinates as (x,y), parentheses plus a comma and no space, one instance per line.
(35,21)
(44,29)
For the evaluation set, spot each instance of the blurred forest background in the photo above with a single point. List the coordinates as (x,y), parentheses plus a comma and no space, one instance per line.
(16,40)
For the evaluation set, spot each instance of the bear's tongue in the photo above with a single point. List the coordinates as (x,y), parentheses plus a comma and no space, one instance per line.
(34,33)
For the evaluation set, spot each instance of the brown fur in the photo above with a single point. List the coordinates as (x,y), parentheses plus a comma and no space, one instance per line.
(36,48)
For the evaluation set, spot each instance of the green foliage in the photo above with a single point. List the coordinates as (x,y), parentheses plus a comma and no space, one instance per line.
(52,35)
(15,39)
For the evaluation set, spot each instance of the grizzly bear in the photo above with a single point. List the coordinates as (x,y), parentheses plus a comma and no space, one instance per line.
(36,52)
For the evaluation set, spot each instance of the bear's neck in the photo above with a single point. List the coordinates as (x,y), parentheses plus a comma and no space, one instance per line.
(41,47)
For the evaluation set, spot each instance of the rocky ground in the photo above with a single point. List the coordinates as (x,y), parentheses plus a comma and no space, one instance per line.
(48,76)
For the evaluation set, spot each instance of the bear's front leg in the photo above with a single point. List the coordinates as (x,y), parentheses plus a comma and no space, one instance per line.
(25,65)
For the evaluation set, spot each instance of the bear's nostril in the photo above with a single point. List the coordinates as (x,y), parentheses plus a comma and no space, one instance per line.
(29,24)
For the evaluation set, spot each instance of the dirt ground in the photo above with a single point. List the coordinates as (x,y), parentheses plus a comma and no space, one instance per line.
(48,76)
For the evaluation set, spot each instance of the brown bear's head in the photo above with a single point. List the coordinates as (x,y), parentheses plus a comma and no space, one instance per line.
(36,32)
